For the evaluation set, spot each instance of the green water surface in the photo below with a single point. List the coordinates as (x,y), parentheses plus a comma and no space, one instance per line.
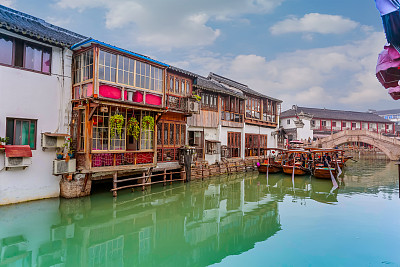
(238,220)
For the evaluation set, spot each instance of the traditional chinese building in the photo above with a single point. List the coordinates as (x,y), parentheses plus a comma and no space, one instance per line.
(118,96)
(258,113)
(310,123)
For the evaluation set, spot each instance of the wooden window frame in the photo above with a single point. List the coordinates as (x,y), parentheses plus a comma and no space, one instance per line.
(32,44)
(209,101)
(158,79)
(232,109)
(29,132)
(255,144)
(234,142)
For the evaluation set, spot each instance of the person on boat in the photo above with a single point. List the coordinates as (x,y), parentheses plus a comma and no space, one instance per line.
(324,160)
(303,160)
(328,158)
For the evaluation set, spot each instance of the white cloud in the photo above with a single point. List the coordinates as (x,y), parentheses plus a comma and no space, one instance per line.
(314,23)
(173,23)
(8,3)
(332,77)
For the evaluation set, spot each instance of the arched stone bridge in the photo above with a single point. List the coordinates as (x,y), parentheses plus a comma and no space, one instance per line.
(389,146)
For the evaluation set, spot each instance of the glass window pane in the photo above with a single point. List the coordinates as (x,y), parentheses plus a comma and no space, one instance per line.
(6,50)
(18,136)
(33,58)
(32,135)
(25,133)
(10,131)
(46,62)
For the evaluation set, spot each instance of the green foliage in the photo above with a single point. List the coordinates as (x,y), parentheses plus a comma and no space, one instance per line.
(197,97)
(116,123)
(148,122)
(4,140)
(133,128)
(68,144)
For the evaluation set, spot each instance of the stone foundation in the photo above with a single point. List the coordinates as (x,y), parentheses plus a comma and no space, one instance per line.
(75,187)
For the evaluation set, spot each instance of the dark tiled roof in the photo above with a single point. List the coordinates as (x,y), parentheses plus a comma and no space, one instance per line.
(244,88)
(36,28)
(188,73)
(207,84)
(387,112)
(336,114)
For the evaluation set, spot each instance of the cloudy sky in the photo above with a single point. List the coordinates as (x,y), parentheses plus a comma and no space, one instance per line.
(307,52)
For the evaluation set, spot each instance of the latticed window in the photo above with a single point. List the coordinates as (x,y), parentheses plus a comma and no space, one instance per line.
(147,133)
(234,144)
(171,138)
(83,67)
(107,66)
(126,70)
(100,130)
(129,72)
(255,144)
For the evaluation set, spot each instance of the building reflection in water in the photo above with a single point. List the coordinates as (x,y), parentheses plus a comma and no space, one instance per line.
(198,223)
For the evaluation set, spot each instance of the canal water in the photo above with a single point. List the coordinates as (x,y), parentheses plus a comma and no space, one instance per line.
(240,220)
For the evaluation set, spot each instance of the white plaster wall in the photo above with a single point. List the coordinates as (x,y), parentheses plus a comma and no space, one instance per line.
(305,132)
(47,98)
(209,134)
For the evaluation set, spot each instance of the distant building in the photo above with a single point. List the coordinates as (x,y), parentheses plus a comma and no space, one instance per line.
(390,114)
(311,123)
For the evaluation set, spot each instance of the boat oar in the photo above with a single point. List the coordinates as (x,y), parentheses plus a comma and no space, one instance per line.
(293,174)
(335,184)
(339,169)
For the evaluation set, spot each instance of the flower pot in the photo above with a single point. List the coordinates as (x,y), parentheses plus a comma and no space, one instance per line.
(60,156)
(130,96)
(71,154)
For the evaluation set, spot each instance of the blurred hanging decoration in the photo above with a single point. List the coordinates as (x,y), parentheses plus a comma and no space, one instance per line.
(388,65)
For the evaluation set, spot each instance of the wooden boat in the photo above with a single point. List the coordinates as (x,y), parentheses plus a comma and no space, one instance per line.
(273,163)
(339,162)
(271,168)
(323,172)
(298,169)
(300,157)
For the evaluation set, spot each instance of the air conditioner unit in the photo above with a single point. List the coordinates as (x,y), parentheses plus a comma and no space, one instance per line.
(52,140)
(17,162)
(63,166)
(193,106)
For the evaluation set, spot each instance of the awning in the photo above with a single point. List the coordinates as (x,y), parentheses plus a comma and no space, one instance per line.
(13,151)
(213,141)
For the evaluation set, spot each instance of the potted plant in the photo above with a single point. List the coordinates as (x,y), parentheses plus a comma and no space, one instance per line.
(116,123)
(133,128)
(3,141)
(148,122)
(60,155)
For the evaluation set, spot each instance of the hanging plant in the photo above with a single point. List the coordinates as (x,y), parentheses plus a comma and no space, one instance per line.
(197,97)
(148,122)
(133,128)
(116,123)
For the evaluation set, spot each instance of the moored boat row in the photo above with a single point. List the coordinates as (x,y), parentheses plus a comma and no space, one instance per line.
(321,163)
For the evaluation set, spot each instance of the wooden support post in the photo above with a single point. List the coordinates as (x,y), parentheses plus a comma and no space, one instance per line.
(143,181)
(165,177)
(115,177)
(170,178)
(398,166)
